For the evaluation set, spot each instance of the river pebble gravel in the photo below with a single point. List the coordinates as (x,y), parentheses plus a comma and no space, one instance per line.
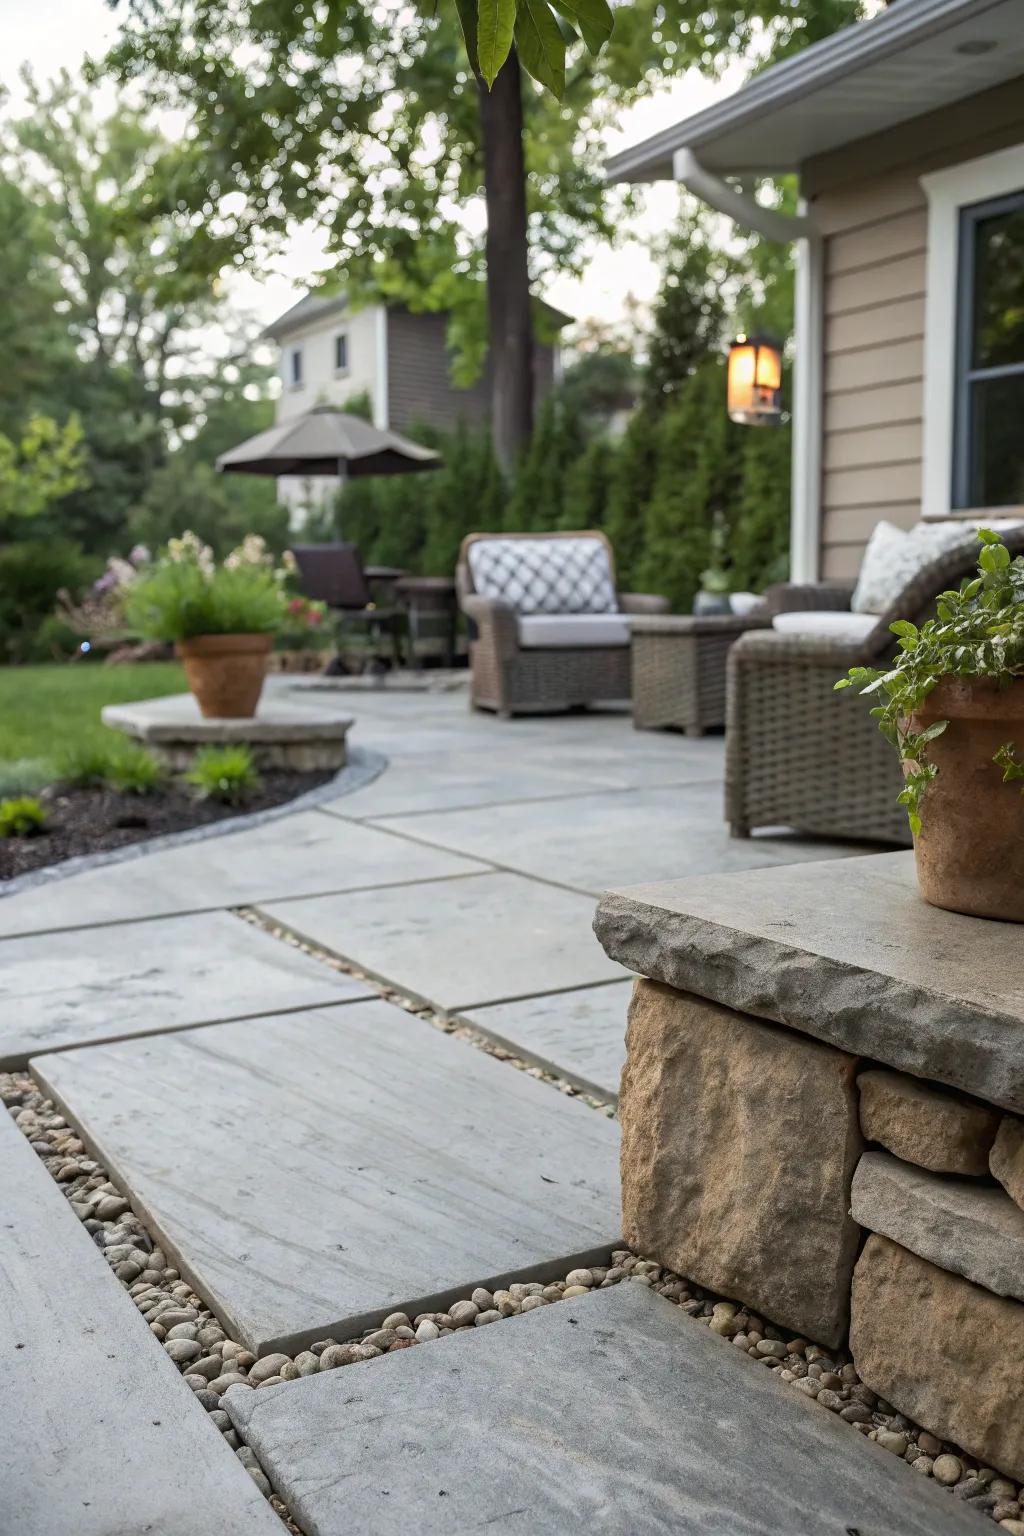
(211,1362)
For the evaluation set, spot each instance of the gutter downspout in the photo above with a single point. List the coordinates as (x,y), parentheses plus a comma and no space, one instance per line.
(805,509)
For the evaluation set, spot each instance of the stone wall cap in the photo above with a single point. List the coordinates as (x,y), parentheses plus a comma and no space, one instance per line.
(844,950)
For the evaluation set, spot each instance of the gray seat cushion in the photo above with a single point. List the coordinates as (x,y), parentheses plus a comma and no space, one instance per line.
(546,631)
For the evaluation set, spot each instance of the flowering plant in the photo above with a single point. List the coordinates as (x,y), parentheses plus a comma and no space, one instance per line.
(99,614)
(184,592)
(306,625)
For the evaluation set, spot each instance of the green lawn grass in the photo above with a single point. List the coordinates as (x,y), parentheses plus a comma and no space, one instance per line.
(45,710)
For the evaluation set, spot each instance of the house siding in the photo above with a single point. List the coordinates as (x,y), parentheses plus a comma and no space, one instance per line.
(420,390)
(875,228)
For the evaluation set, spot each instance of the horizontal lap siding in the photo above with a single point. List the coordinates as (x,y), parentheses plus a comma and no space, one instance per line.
(874,360)
(869,204)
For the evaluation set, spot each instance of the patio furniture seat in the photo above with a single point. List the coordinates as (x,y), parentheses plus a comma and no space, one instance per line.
(334,574)
(800,755)
(548,630)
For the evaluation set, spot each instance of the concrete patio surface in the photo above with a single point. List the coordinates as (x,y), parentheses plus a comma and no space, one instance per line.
(309,1166)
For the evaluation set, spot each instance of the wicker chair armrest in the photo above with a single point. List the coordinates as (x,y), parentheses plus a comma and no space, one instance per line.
(769,647)
(797,597)
(642,602)
(495,621)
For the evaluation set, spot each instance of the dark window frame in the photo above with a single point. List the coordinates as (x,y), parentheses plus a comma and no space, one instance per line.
(966,374)
(296,368)
(342,337)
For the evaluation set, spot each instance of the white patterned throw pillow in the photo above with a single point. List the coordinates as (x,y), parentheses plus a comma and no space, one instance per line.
(570,575)
(894,556)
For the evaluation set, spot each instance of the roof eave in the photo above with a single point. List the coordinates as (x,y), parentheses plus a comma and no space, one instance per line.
(818,66)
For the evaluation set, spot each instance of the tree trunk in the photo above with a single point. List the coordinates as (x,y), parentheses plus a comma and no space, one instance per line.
(508,278)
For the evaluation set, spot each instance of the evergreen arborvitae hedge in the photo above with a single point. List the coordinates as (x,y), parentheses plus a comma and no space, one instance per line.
(657,491)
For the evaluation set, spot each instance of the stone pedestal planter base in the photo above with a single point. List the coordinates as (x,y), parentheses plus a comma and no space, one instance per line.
(739,1141)
(304,737)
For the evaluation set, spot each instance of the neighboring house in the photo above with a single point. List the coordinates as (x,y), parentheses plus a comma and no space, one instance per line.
(907,133)
(330,353)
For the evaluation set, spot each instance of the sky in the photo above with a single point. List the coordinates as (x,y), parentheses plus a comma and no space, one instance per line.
(50,35)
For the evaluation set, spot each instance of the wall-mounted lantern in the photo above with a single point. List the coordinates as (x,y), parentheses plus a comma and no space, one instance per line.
(755,381)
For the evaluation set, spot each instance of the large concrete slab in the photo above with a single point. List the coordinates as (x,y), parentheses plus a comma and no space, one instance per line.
(460,943)
(438,781)
(100,1435)
(293,856)
(579,1034)
(609,1413)
(970,1228)
(848,952)
(597,841)
(313,1172)
(84,986)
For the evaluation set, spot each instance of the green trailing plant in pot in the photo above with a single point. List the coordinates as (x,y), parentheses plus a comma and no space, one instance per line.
(222,618)
(952,706)
(715,581)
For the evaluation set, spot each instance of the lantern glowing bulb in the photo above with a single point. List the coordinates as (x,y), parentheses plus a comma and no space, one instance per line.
(755,381)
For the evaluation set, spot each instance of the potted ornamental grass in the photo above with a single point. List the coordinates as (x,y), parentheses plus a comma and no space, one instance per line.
(952,705)
(222,618)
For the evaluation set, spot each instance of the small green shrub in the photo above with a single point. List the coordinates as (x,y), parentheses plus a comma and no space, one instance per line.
(25,776)
(227,774)
(122,765)
(134,771)
(21,817)
(86,765)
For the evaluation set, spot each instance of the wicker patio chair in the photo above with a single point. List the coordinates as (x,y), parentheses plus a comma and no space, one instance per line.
(510,676)
(800,755)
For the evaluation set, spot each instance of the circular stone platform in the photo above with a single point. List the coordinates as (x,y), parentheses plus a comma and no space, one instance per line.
(304,737)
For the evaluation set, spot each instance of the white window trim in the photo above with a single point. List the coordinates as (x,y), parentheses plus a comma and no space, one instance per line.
(293,353)
(973,181)
(808,367)
(341,373)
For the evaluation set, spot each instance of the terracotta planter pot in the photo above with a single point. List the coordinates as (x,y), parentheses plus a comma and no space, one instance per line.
(226,672)
(970,851)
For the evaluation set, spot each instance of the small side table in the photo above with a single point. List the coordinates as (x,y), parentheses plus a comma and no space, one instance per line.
(432,613)
(679,665)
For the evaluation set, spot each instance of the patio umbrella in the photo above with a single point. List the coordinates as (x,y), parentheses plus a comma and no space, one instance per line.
(327,441)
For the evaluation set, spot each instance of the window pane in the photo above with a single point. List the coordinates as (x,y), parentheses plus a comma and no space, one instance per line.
(997,442)
(999,290)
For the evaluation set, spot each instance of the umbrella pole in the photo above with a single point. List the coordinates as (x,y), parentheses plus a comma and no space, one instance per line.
(342,479)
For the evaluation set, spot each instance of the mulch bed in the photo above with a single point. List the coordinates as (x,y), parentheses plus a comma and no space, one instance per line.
(97,820)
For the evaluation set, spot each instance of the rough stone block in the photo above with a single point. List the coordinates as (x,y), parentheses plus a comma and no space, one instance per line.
(943,1351)
(739,1141)
(971,1229)
(925,1125)
(1006,1159)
